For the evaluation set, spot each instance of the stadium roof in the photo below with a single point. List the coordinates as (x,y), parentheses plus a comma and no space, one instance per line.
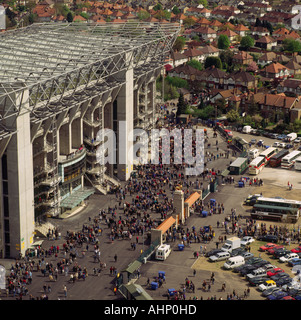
(56,61)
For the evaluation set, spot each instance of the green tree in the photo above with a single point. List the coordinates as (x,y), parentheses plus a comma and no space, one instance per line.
(195,64)
(182,106)
(179,44)
(175,10)
(69,17)
(232,116)
(203,2)
(188,22)
(213,61)
(291,45)
(143,15)
(223,42)
(158,7)
(247,42)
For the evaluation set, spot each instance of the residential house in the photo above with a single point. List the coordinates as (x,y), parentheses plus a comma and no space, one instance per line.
(294,68)
(208,51)
(266,43)
(206,33)
(290,86)
(212,77)
(242,57)
(240,79)
(241,30)
(218,94)
(230,34)
(202,22)
(215,24)
(259,32)
(267,58)
(193,53)
(275,106)
(276,71)
(178,59)
(185,72)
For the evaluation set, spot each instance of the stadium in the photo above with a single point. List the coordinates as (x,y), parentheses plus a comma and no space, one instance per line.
(60,84)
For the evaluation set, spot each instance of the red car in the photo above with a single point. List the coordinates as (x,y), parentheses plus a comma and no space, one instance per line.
(296,250)
(274,272)
(272,250)
(288,298)
(267,246)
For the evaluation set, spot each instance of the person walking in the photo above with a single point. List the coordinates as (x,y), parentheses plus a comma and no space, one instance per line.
(115,257)
(65,291)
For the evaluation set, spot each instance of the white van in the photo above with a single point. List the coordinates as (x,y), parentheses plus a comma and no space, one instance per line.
(163,252)
(234,262)
(253,153)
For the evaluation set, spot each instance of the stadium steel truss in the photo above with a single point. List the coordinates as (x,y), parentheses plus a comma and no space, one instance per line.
(60,84)
(62,64)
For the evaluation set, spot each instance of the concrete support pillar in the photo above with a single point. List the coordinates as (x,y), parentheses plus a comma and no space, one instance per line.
(125,125)
(178,203)
(20,182)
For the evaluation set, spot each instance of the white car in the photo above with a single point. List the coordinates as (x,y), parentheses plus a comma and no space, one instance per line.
(245,241)
(282,145)
(276,144)
(267,284)
(288,257)
(297,140)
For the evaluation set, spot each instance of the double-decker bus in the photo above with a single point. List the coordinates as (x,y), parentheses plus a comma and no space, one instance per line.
(289,160)
(276,209)
(268,153)
(275,160)
(257,165)
(298,163)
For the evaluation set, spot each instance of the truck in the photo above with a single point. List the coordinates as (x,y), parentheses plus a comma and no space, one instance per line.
(246,129)
(291,137)
(163,252)
(231,243)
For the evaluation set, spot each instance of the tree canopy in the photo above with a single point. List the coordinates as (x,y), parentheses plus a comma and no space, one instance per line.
(223,42)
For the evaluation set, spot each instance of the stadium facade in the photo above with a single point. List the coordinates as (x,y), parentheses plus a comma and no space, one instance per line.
(60,84)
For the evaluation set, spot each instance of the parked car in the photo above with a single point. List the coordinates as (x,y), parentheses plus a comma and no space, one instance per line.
(298,140)
(274,271)
(277,295)
(294,262)
(282,145)
(269,291)
(257,281)
(288,146)
(266,285)
(281,136)
(280,253)
(247,255)
(274,135)
(268,238)
(283,281)
(245,241)
(267,246)
(288,298)
(276,144)
(220,256)
(288,257)
(296,250)
(272,250)
(251,199)
(280,275)
(213,252)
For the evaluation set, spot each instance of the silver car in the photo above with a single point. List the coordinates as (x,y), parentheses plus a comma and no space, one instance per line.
(219,256)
